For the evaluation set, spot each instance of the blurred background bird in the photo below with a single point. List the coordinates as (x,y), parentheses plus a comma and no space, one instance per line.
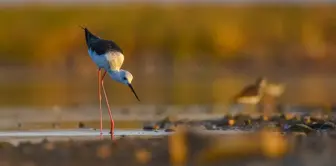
(249,95)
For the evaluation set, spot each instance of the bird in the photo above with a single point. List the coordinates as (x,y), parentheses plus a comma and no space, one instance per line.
(272,93)
(107,55)
(275,89)
(251,94)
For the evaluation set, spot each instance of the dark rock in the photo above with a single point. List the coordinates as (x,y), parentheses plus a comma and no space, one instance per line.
(323,126)
(81,125)
(163,123)
(299,128)
(169,130)
(149,126)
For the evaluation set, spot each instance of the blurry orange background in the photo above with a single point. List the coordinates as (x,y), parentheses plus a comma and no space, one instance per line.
(178,53)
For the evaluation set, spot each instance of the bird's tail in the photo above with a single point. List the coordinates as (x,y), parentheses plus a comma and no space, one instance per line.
(89,37)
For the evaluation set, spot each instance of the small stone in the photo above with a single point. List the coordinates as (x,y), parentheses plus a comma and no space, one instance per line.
(149,126)
(169,130)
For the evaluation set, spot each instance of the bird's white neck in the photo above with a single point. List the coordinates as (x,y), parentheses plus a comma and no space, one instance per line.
(115,74)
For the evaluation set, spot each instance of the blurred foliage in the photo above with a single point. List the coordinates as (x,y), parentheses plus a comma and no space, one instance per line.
(189,53)
(181,30)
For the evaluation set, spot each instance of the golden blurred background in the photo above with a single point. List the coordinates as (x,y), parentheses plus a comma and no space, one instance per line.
(178,53)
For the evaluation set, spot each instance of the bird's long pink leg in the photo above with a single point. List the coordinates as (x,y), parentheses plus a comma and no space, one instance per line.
(100,103)
(108,107)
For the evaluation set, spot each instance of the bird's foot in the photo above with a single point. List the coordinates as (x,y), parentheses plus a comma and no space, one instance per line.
(101,136)
(112,135)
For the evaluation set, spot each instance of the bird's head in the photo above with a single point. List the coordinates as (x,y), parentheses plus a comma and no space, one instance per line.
(125,77)
(261,82)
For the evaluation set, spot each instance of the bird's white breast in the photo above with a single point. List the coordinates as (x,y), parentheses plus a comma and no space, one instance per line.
(115,59)
(249,99)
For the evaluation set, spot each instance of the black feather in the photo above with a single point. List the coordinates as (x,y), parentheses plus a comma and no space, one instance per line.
(103,46)
(98,45)
(249,91)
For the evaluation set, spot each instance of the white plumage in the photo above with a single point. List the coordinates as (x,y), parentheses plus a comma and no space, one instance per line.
(115,59)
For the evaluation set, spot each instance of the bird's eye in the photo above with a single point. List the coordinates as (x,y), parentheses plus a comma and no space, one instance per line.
(125,78)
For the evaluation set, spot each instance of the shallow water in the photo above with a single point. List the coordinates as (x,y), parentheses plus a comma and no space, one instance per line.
(15,137)
(78,132)
(73,125)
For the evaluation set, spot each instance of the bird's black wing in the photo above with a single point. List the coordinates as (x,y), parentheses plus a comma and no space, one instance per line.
(251,90)
(248,91)
(103,46)
(98,45)
(89,37)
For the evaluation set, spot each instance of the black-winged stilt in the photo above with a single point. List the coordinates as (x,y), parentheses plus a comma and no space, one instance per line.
(107,55)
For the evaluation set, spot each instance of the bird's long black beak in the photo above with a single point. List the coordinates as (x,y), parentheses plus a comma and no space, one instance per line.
(130,85)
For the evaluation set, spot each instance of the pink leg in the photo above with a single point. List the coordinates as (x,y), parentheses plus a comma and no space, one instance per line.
(108,107)
(100,103)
